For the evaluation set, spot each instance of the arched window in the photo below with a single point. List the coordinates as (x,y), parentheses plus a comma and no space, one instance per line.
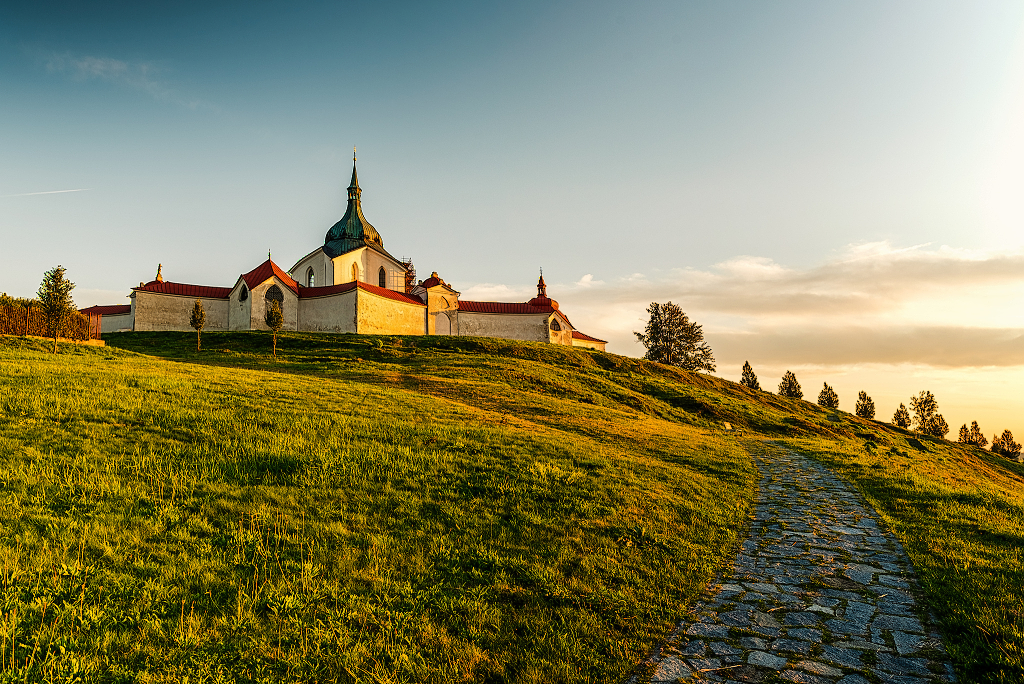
(355,271)
(382,277)
(554,325)
(310,278)
(243,294)
(274,294)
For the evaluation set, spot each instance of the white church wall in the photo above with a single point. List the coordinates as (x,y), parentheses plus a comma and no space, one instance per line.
(239,310)
(342,267)
(382,316)
(323,273)
(564,333)
(258,306)
(394,275)
(530,327)
(159,311)
(331,313)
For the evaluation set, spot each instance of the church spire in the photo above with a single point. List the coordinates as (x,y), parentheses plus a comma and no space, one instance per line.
(353,187)
(542,288)
(353,230)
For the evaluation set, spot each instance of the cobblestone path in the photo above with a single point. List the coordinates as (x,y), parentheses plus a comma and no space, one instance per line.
(820,593)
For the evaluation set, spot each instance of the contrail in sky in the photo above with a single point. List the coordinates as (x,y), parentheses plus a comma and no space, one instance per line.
(45,192)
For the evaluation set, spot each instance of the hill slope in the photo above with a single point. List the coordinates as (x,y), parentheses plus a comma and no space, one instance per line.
(424,509)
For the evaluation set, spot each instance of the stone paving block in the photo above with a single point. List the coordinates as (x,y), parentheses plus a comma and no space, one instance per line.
(901,665)
(700,629)
(803,677)
(847,627)
(892,581)
(801,619)
(704,664)
(792,646)
(754,643)
(805,633)
(735,618)
(671,669)
(841,656)
(762,587)
(720,648)
(853,679)
(900,623)
(862,645)
(819,668)
(762,659)
(907,643)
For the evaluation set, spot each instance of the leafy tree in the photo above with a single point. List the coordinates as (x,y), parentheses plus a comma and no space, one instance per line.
(1004,444)
(828,397)
(865,407)
(274,319)
(55,301)
(198,322)
(972,435)
(901,418)
(673,339)
(749,379)
(976,437)
(927,419)
(789,387)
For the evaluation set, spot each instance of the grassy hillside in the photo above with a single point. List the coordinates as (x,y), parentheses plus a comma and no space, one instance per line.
(384,509)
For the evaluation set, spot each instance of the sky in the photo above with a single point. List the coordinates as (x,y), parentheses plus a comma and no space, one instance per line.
(835,189)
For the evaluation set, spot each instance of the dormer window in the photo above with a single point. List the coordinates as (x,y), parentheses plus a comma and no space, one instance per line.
(310,278)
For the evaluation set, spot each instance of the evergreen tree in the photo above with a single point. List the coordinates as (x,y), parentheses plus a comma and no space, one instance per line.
(901,418)
(749,379)
(55,301)
(976,437)
(965,435)
(828,397)
(1004,444)
(789,387)
(865,406)
(927,419)
(198,322)
(274,319)
(673,339)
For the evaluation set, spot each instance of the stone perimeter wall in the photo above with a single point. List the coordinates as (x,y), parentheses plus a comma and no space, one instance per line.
(529,327)
(156,311)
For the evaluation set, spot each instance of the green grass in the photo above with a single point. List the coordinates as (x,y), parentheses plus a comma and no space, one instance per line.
(403,509)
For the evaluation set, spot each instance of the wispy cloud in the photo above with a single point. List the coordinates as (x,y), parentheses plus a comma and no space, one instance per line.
(45,192)
(143,76)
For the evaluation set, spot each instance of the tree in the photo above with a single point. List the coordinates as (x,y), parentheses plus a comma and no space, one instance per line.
(1004,444)
(901,418)
(749,379)
(828,397)
(972,435)
(274,320)
(55,301)
(198,322)
(927,419)
(789,387)
(865,407)
(673,339)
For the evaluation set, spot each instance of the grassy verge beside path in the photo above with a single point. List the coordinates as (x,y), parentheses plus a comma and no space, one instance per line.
(164,520)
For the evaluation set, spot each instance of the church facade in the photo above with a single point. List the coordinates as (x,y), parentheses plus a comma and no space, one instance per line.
(350,284)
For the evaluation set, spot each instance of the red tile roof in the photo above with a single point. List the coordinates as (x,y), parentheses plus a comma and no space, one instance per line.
(306,292)
(184,289)
(264,271)
(502,307)
(110,310)
(577,335)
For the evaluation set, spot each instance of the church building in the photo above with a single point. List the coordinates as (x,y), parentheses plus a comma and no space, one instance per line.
(350,284)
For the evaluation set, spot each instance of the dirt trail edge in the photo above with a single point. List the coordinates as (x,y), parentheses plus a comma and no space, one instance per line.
(820,593)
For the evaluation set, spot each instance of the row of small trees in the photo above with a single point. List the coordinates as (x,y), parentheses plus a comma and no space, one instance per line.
(926,419)
(273,317)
